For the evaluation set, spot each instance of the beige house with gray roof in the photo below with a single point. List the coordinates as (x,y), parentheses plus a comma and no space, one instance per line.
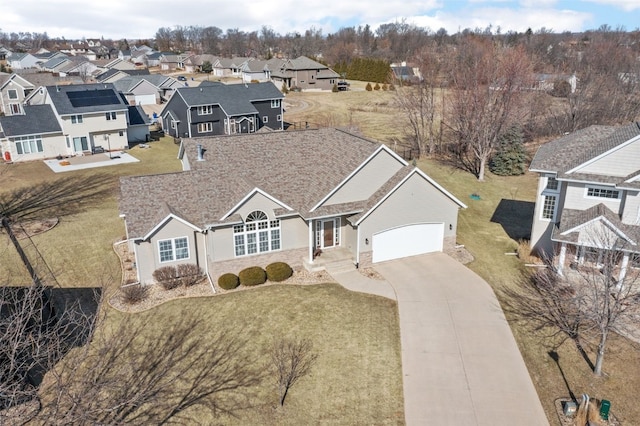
(302,197)
(588,198)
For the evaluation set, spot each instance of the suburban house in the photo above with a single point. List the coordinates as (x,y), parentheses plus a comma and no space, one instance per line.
(249,200)
(258,70)
(304,73)
(220,109)
(112,75)
(92,116)
(229,67)
(13,91)
(588,197)
(22,60)
(34,134)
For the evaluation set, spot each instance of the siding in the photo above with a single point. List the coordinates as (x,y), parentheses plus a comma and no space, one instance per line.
(416,201)
(149,258)
(368,179)
(52,146)
(631,208)
(575,198)
(621,162)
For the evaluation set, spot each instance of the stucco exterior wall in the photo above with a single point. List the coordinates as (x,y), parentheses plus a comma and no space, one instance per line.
(368,180)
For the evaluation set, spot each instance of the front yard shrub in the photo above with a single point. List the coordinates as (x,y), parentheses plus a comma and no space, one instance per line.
(167,277)
(377,86)
(133,294)
(368,87)
(228,281)
(278,271)
(253,275)
(190,274)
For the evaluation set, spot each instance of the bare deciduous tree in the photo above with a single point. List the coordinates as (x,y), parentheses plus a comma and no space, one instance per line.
(585,304)
(488,84)
(292,360)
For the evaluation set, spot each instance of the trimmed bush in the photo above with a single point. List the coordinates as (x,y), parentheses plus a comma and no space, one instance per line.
(391,86)
(253,275)
(368,87)
(133,294)
(190,274)
(167,277)
(228,281)
(377,86)
(278,271)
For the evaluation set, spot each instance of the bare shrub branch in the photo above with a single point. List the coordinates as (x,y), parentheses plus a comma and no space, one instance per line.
(292,360)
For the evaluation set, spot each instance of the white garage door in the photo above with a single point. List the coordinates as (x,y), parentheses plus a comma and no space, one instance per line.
(145,99)
(408,240)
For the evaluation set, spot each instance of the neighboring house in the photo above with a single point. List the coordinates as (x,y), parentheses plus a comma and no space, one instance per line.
(81,67)
(304,73)
(257,70)
(147,89)
(55,64)
(113,74)
(171,62)
(153,58)
(548,82)
(22,60)
(14,89)
(124,55)
(250,200)
(193,64)
(406,72)
(120,64)
(91,115)
(588,197)
(35,134)
(229,67)
(220,109)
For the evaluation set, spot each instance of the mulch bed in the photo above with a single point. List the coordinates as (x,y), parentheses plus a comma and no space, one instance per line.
(569,421)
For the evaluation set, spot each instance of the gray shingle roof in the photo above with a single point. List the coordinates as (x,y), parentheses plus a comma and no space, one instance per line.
(283,164)
(561,155)
(63,105)
(37,119)
(235,99)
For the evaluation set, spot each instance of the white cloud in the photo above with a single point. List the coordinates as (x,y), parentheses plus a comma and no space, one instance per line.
(627,5)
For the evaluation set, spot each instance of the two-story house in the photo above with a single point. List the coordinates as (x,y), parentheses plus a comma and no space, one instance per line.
(91,115)
(588,197)
(13,91)
(34,134)
(220,109)
(304,73)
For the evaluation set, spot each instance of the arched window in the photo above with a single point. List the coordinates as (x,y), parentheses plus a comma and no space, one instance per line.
(258,234)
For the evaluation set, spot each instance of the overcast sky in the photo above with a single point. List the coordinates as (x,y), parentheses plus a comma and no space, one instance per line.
(135,19)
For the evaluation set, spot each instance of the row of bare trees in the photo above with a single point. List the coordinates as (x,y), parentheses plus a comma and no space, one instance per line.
(474,92)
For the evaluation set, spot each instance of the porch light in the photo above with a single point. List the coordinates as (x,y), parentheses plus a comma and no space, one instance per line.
(366,241)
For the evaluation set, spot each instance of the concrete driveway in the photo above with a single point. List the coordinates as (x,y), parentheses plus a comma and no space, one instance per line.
(460,362)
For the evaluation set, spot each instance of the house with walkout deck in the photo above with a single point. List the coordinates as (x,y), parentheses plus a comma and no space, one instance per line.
(303,197)
(588,199)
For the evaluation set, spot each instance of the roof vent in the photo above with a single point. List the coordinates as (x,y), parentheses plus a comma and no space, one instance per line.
(200,152)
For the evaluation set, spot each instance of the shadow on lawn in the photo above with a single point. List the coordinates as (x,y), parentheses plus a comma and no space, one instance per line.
(516,218)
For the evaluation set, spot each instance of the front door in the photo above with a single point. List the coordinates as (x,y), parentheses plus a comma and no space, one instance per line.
(327,226)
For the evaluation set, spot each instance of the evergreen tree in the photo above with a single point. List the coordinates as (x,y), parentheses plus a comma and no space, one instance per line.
(510,157)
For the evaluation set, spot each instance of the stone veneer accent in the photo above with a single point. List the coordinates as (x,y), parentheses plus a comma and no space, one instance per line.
(234,266)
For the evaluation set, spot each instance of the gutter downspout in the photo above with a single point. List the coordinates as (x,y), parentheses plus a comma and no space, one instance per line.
(358,247)
(310,241)
(206,260)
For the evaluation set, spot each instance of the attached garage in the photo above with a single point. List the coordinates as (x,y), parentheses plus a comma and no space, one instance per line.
(408,240)
(147,99)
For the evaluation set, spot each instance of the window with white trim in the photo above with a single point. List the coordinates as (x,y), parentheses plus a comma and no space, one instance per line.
(13,94)
(552,184)
(76,119)
(29,144)
(597,192)
(258,234)
(173,249)
(275,103)
(110,115)
(265,119)
(279,117)
(15,108)
(205,110)
(549,207)
(205,127)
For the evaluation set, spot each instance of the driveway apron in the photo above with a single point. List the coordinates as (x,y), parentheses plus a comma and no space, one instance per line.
(460,362)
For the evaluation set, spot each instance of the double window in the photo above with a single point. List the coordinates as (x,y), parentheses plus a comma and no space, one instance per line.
(173,249)
(110,115)
(76,119)
(275,103)
(257,235)
(205,110)
(205,127)
(29,144)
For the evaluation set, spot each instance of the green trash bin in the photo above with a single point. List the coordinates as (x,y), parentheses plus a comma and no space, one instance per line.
(605,406)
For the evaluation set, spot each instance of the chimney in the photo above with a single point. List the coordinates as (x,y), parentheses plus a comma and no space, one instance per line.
(200,152)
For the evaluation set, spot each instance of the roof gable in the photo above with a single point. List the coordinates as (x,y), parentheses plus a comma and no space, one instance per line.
(37,119)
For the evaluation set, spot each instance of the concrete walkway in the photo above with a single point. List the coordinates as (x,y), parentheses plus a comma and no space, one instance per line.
(460,362)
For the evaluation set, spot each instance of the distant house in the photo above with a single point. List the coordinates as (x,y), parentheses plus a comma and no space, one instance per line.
(304,73)
(229,67)
(147,89)
(220,109)
(34,134)
(22,60)
(120,64)
(55,64)
(112,75)
(258,70)
(549,82)
(406,72)
(14,89)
